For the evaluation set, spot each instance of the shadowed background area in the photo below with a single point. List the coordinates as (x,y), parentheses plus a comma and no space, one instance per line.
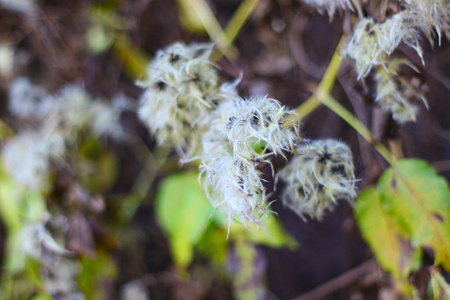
(282,50)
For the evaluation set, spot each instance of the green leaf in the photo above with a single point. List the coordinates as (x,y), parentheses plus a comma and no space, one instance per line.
(418,199)
(390,247)
(183,211)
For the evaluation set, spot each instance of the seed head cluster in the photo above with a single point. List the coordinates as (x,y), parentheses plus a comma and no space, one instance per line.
(372,44)
(184,106)
(52,124)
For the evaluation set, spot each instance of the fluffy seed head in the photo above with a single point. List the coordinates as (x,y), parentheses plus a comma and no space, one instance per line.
(329,5)
(243,135)
(372,43)
(27,100)
(106,117)
(318,177)
(181,89)
(57,120)
(429,16)
(248,122)
(235,188)
(395,94)
(27,157)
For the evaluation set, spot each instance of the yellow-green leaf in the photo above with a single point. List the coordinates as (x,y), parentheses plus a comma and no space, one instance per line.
(183,211)
(418,199)
(378,228)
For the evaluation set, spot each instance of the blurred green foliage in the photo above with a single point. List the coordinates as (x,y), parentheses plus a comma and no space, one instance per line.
(95,273)
(183,211)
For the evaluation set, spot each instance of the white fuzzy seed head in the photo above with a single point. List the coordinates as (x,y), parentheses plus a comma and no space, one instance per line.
(372,43)
(248,122)
(71,110)
(57,121)
(106,117)
(429,16)
(27,157)
(235,188)
(180,91)
(243,135)
(330,6)
(316,179)
(29,101)
(395,94)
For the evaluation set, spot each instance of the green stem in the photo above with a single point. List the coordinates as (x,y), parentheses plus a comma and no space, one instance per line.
(238,20)
(213,28)
(307,107)
(326,84)
(330,75)
(348,117)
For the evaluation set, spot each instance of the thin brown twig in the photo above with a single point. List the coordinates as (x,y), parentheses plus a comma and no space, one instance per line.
(339,282)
